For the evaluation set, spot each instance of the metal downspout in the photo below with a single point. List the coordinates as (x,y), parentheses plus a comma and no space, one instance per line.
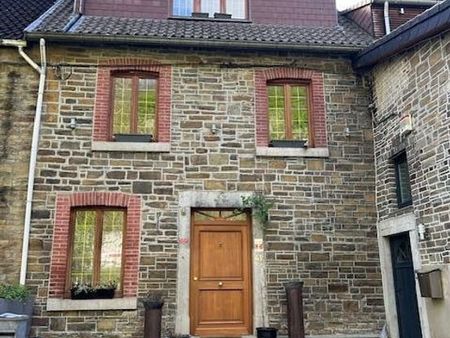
(387,24)
(42,70)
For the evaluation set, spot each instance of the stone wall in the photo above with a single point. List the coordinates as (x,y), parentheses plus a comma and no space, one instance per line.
(323,226)
(417,82)
(18,90)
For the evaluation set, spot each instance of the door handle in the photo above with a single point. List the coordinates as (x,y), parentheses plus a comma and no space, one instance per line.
(195,278)
(220,283)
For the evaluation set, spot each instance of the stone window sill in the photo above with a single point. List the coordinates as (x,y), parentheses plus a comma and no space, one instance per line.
(58,304)
(156,147)
(291,152)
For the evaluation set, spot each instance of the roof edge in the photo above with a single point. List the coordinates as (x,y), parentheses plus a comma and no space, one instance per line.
(433,21)
(43,16)
(363,3)
(246,45)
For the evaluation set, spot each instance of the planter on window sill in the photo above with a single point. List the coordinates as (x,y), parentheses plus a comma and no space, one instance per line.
(91,293)
(200,15)
(222,16)
(133,138)
(288,143)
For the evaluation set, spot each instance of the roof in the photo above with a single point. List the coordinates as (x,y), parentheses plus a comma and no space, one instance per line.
(433,21)
(411,3)
(61,24)
(18,14)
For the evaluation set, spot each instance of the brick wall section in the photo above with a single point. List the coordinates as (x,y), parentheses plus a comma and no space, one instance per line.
(151,9)
(18,91)
(319,13)
(287,12)
(102,114)
(60,246)
(395,18)
(417,82)
(322,228)
(317,114)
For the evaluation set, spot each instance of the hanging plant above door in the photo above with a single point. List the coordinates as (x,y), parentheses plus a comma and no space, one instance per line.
(260,206)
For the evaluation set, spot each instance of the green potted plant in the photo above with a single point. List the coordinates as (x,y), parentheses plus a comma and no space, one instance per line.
(81,290)
(16,298)
(260,206)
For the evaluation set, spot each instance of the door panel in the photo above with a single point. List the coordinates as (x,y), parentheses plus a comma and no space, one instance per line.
(405,287)
(221,254)
(220,296)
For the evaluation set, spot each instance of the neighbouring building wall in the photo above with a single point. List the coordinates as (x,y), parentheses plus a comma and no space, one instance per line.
(417,82)
(322,229)
(396,16)
(319,13)
(18,88)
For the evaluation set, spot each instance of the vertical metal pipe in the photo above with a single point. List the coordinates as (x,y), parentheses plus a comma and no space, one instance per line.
(42,69)
(387,24)
(294,294)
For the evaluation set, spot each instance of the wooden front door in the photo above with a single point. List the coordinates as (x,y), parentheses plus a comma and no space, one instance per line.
(405,287)
(220,292)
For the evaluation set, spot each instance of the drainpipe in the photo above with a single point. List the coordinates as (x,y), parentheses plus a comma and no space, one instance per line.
(387,25)
(42,70)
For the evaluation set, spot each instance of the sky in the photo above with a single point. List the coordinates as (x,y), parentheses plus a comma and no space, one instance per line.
(342,4)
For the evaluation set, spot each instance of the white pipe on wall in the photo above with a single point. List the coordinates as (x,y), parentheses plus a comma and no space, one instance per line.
(42,70)
(387,24)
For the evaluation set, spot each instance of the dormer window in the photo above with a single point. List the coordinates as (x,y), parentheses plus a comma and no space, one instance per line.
(211,8)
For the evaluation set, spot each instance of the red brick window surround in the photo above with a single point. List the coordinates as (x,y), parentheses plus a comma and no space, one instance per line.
(61,237)
(104,101)
(317,116)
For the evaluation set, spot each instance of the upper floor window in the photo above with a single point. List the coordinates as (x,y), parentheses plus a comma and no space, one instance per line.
(96,247)
(288,110)
(134,105)
(236,8)
(402,182)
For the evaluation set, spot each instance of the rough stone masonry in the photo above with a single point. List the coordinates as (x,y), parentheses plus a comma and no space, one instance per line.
(323,225)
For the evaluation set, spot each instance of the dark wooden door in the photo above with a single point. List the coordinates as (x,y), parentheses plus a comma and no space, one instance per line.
(405,287)
(220,295)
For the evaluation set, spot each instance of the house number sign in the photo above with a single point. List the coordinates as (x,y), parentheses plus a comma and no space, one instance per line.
(183,240)
(259,245)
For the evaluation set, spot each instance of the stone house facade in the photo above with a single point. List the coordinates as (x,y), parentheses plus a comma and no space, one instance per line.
(218,86)
(18,87)
(211,148)
(411,105)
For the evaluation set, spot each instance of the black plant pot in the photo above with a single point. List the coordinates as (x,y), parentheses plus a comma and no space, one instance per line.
(288,144)
(200,15)
(266,332)
(105,293)
(133,138)
(222,16)
(84,294)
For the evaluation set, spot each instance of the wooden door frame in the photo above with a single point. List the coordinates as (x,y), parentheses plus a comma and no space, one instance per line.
(387,228)
(215,200)
(232,224)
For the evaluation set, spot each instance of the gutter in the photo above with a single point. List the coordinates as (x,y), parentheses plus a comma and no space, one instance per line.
(145,40)
(433,21)
(42,70)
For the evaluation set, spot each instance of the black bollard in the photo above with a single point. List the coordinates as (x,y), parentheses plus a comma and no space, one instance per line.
(294,294)
(153,315)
